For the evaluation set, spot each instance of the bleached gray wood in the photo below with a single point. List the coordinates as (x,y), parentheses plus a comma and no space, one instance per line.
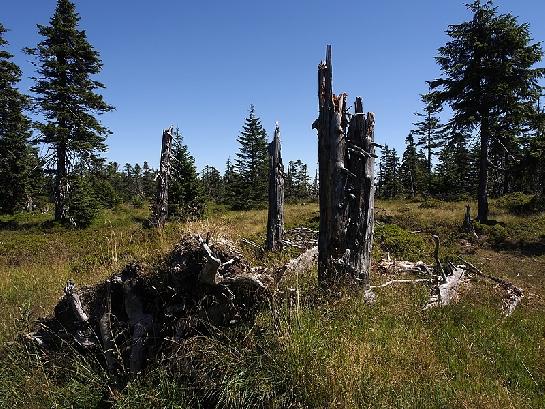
(275,221)
(160,210)
(346,173)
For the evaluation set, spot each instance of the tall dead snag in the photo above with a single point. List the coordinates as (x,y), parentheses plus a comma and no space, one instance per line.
(346,172)
(275,222)
(160,210)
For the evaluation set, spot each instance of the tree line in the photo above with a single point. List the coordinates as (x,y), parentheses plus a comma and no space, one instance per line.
(71,174)
(492,141)
(481,131)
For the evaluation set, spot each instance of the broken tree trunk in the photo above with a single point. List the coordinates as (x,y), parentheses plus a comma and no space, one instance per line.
(160,211)
(275,222)
(346,165)
(468,226)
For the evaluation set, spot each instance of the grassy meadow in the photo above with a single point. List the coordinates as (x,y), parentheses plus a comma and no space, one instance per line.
(321,352)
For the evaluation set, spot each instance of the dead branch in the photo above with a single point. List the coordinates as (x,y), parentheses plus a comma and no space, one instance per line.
(515,294)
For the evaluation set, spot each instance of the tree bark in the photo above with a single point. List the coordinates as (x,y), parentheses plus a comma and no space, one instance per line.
(160,211)
(61,184)
(346,165)
(482,197)
(275,222)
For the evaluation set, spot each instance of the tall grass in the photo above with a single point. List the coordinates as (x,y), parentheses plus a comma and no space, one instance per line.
(309,349)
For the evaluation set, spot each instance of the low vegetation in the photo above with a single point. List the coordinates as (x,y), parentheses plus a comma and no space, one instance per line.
(315,350)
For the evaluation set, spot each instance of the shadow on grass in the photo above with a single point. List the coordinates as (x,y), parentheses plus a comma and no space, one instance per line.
(14,225)
(523,247)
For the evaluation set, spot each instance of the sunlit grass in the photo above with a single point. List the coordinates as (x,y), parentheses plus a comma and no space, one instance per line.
(321,352)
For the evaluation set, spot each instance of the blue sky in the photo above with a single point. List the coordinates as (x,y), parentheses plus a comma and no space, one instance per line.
(199,65)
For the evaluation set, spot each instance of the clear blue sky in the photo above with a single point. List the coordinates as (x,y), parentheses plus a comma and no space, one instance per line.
(199,65)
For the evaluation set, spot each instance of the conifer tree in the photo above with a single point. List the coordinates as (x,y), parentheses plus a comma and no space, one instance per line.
(212,183)
(413,169)
(230,184)
(297,181)
(185,195)
(389,183)
(532,164)
(19,164)
(66,95)
(455,170)
(489,80)
(430,134)
(252,164)
(137,176)
(148,181)
(315,190)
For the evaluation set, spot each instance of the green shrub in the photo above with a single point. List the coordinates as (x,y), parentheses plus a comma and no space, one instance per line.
(105,194)
(517,202)
(400,243)
(430,203)
(137,201)
(83,206)
(496,234)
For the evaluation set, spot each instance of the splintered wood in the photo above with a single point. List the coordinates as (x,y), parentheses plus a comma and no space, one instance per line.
(445,282)
(346,166)
(275,221)
(160,209)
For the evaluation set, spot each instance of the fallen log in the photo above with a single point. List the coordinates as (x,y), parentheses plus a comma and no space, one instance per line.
(446,291)
(514,293)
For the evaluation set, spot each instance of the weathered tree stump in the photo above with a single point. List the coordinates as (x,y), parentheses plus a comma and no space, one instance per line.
(346,172)
(468,225)
(160,209)
(139,315)
(275,222)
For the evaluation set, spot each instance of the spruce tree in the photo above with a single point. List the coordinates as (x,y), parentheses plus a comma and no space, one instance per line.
(230,184)
(252,164)
(532,164)
(148,181)
(185,195)
(315,190)
(212,183)
(66,96)
(19,165)
(429,130)
(412,172)
(455,174)
(297,182)
(489,80)
(389,183)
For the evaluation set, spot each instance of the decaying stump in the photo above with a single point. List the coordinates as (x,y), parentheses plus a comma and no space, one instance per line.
(138,315)
(468,225)
(275,221)
(160,209)
(346,166)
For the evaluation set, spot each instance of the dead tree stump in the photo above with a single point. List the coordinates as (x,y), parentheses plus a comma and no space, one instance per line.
(160,210)
(468,225)
(275,221)
(346,173)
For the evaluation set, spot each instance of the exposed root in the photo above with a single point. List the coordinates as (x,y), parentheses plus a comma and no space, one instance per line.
(446,291)
(132,318)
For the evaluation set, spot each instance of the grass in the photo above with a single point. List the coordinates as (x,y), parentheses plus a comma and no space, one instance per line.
(328,353)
